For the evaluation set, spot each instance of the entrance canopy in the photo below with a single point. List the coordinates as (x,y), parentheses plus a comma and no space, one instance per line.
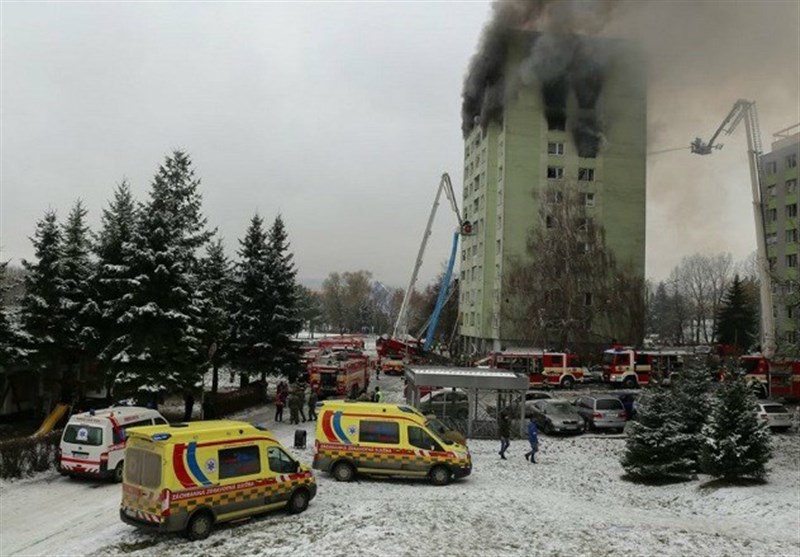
(467,378)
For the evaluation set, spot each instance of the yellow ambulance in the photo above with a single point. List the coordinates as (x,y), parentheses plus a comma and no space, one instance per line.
(384,439)
(187,477)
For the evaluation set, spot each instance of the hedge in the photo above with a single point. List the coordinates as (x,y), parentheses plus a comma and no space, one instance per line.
(27,455)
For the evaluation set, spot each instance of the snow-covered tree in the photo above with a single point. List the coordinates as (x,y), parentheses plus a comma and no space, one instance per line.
(656,446)
(286,321)
(216,293)
(12,339)
(692,399)
(253,303)
(111,272)
(42,304)
(81,312)
(736,444)
(160,347)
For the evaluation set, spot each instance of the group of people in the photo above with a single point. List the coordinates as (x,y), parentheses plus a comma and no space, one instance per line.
(295,398)
(504,430)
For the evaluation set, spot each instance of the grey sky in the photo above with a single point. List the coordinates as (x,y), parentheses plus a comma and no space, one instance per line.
(342,116)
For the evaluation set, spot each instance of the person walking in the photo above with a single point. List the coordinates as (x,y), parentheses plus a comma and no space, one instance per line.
(504,430)
(533,439)
(294,407)
(280,400)
(378,396)
(301,397)
(312,404)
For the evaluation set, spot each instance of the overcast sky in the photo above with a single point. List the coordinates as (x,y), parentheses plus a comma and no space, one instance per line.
(342,117)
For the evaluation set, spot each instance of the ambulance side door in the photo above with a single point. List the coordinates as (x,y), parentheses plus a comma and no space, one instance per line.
(238,466)
(422,443)
(280,465)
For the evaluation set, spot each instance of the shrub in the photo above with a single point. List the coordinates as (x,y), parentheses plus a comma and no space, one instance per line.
(27,455)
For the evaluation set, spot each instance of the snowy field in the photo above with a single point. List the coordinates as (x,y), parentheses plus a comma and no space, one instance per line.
(571,503)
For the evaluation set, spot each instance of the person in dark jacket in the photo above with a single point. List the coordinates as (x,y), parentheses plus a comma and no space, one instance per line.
(504,430)
(301,396)
(533,439)
(312,404)
(280,400)
(188,406)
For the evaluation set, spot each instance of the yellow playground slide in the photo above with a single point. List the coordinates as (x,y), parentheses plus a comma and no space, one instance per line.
(50,421)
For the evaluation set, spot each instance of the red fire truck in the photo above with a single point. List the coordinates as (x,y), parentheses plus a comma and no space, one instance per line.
(341,373)
(341,342)
(543,367)
(776,378)
(632,368)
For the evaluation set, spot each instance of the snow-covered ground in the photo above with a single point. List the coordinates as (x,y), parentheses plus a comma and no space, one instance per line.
(572,502)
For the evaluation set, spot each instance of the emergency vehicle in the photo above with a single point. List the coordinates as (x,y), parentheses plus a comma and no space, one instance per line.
(776,378)
(632,368)
(343,373)
(385,439)
(189,477)
(543,367)
(93,443)
(341,342)
(393,367)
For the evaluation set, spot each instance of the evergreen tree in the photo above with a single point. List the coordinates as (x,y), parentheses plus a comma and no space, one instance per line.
(12,339)
(160,347)
(286,321)
(736,444)
(111,272)
(309,308)
(81,312)
(253,303)
(657,446)
(42,304)
(737,320)
(216,293)
(691,396)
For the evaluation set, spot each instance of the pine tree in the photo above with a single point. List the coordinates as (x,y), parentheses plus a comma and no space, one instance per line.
(81,312)
(110,279)
(160,348)
(216,292)
(253,303)
(692,399)
(737,444)
(737,321)
(12,339)
(42,304)
(286,321)
(656,446)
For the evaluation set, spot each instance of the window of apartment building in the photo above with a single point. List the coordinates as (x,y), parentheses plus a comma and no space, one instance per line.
(791,161)
(555,197)
(771,238)
(791,337)
(556,120)
(463,255)
(791,185)
(587,298)
(790,312)
(771,167)
(771,190)
(555,172)
(791,236)
(550,221)
(583,224)
(772,215)
(475,205)
(586,174)
(791,210)
(791,260)
(773,261)
(555,148)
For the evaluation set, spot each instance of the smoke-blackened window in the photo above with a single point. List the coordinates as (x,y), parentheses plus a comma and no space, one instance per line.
(556,119)
(588,136)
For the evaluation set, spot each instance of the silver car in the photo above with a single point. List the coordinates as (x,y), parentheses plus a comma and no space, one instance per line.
(601,412)
(775,415)
(556,416)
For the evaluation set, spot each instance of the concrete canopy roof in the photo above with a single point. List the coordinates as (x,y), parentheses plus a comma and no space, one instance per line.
(466,378)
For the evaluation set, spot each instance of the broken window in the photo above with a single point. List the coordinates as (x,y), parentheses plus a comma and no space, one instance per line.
(555,148)
(586,174)
(556,120)
(555,172)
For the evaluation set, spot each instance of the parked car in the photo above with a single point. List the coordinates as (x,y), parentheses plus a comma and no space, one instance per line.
(775,415)
(628,399)
(450,403)
(556,416)
(531,397)
(601,412)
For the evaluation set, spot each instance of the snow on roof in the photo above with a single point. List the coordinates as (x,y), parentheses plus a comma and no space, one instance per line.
(481,378)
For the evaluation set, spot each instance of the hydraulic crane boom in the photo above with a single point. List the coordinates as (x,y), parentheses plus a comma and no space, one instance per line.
(401,326)
(746,110)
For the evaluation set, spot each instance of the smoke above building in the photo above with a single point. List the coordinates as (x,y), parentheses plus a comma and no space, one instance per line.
(562,57)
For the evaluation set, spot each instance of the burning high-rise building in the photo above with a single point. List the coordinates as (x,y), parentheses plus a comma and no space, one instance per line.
(547,116)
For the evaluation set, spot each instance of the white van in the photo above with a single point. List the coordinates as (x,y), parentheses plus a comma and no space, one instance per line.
(93,443)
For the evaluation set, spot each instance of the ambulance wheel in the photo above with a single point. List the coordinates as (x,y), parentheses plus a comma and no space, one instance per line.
(299,501)
(440,475)
(119,471)
(568,382)
(200,526)
(343,472)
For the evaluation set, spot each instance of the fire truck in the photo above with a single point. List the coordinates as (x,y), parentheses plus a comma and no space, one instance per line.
(776,378)
(339,374)
(341,342)
(631,368)
(543,367)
